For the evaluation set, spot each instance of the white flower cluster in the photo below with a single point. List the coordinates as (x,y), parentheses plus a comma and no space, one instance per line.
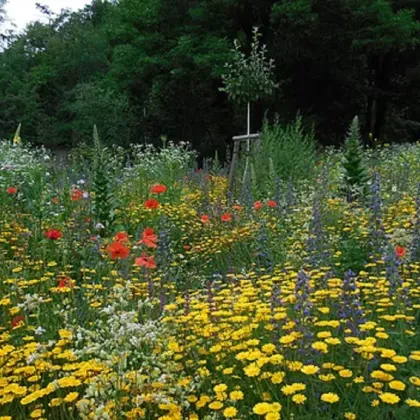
(172,160)
(119,337)
(20,156)
(134,350)
(31,302)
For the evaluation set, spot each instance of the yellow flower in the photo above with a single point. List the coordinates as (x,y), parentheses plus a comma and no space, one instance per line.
(216,348)
(261,408)
(382,376)
(215,405)
(350,416)
(309,369)
(65,334)
(230,412)
(345,373)
(236,395)
(299,398)
(397,385)
(68,381)
(268,348)
(375,403)
(389,398)
(36,413)
(295,366)
(413,403)
(327,378)
(287,339)
(55,402)
(330,397)
(288,390)
(275,407)
(415,380)
(252,370)
(272,416)
(277,378)
(388,367)
(204,399)
(71,397)
(399,359)
(32,397)
(320,346)
(220,388)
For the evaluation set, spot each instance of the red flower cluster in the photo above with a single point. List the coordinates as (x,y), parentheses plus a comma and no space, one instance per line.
(237,207)
(121,237)
(76,194)
(226,217)
(17,320)
(151,204)
(158,189)
(53,234)
(400,251)
(11,190)
(272,203)
(118,251)
(65,282)
(259,204)
(149,238)
(145,261)
(205,219)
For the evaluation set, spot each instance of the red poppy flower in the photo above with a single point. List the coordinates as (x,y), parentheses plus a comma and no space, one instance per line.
(400,251)
(17,320)
(237,207)
(53,234)
(118,251)
(121,237)
(257,205)
(65,282)
(76,194)
(149,238)
(11,190)
(272,203)
(225,217)
(158,189)
(145,261)
(151,204)
(204,218)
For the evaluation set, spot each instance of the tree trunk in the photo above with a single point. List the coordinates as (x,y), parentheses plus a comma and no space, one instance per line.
(248,127)
(379,93)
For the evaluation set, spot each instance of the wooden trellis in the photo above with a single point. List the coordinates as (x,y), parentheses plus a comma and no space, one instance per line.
(236,148)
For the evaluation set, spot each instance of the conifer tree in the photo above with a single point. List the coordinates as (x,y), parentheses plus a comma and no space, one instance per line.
(353,165)
(103,198)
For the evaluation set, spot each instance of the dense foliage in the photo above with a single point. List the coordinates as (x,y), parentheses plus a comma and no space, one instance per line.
(139,69)
(144,290)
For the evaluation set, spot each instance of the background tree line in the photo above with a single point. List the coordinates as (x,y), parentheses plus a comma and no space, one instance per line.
(140,69)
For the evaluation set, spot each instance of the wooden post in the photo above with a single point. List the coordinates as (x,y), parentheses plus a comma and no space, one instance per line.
(233,163)
(236,147)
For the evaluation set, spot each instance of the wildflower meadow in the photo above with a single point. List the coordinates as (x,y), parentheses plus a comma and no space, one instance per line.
(135,285)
